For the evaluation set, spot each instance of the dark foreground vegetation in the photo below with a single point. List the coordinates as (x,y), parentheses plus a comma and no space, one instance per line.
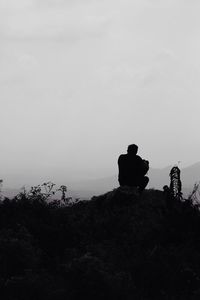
(116,246)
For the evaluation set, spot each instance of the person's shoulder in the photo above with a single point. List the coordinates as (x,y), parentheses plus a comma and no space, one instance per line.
(122,156)
(139,158)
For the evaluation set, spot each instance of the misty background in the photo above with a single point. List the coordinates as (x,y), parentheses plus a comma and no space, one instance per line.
(80,80)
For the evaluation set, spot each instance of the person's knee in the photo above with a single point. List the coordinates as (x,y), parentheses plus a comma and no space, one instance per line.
(144,182)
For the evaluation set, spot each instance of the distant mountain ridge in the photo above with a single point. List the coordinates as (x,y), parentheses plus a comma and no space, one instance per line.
(189,176)
(158,178)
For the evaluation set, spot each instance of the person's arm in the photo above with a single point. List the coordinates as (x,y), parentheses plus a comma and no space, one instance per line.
(143,165)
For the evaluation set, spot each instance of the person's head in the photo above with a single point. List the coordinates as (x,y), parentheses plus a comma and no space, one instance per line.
(132,149)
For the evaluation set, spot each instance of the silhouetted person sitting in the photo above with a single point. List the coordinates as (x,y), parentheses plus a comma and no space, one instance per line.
(132,169)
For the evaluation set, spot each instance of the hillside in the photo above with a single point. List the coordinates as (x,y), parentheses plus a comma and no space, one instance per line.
(117,246)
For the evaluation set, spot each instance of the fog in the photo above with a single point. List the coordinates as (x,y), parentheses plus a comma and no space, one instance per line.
(80,80)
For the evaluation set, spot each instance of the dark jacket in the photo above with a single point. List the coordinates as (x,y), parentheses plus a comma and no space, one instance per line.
(131,169)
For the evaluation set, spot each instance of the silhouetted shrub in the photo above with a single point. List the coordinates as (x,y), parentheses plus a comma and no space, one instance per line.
(117,246)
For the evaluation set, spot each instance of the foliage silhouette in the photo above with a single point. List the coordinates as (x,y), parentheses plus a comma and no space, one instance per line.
(119,245)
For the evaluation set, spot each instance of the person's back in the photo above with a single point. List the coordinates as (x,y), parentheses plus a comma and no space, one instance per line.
(129,168)
(132,169)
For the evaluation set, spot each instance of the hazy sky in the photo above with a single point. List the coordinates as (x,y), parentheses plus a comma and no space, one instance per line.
(82,79)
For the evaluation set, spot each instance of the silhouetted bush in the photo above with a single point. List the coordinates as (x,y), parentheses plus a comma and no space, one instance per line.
(117,246)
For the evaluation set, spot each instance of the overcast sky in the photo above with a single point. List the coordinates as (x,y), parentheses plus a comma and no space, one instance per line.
(82,79)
